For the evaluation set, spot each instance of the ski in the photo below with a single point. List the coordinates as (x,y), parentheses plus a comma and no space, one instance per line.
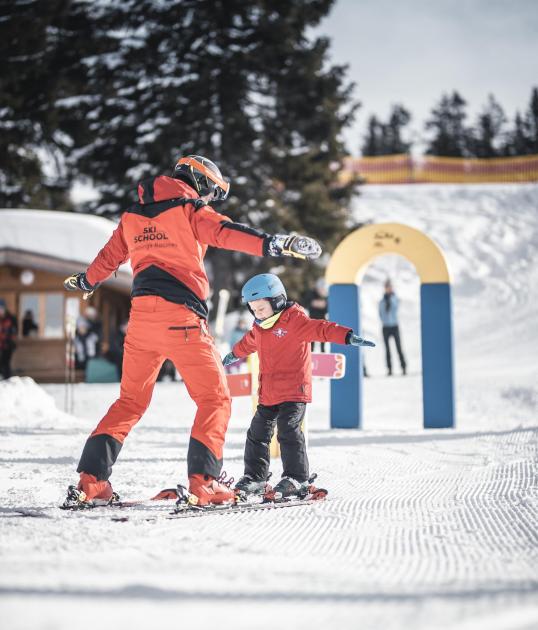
(186,504)
(76,500)
(183,510)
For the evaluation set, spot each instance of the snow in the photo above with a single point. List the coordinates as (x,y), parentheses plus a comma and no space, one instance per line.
(61,235)
(25,404)
(423,530)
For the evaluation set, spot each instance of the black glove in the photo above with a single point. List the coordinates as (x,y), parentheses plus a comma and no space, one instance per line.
(355,340)
(78,281)
(229,359)
(293,245)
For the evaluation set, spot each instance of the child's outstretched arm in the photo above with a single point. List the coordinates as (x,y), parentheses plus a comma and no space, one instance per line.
(244,347)
(354,340)
(323,330)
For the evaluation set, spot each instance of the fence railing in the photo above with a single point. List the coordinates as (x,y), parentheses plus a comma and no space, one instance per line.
(407,169)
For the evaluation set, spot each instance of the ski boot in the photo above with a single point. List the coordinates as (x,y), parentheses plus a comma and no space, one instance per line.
(94,488)
(209,490)
(248,486)
(288,488)
(89,493)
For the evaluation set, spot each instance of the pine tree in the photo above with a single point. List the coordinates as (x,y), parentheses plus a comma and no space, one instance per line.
(373,142)
(131,86)
(522,139)
(32,172)
(398,119)
(451,138)
(488,134)
(386,138)
(531,123)
(516,140)
(301,148)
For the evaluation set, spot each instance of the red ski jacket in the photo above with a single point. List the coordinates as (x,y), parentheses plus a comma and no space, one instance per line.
(285,355)
(166,236)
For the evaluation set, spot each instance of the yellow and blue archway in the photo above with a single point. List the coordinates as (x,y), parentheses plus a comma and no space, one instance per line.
(344,276)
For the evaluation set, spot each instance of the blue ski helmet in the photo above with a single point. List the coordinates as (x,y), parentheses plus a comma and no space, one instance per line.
(265,286)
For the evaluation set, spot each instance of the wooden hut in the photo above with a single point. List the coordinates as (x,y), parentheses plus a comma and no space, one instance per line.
(38,249)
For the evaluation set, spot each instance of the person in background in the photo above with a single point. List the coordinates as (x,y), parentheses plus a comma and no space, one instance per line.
(388,313)
(29,327)
(115,352)
(241,328)
(168,371)
(86,343)
(8,337)
(315,302)
(91,315)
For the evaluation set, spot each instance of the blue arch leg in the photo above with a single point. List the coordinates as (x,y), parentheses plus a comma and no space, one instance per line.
(346,393)
(437,356)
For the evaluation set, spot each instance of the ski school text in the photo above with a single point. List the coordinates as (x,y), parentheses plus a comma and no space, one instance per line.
(151,234)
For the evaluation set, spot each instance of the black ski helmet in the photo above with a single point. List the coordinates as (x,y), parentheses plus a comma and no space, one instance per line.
(203,175)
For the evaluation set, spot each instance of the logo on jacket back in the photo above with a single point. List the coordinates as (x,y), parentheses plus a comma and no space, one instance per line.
(150,234)
(280,332)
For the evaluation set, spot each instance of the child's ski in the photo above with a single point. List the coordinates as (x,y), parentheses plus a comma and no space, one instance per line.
(186,503)
(185,509)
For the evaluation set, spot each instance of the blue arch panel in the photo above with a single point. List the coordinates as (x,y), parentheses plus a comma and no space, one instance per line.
(437,353)
(346,393)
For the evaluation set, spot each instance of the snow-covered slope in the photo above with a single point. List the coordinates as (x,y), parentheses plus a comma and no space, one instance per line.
(422,530)
(490,237)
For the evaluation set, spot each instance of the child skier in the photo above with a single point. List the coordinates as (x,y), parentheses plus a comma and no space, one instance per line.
(281,336)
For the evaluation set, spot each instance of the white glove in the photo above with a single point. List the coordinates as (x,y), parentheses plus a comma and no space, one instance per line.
(294,245)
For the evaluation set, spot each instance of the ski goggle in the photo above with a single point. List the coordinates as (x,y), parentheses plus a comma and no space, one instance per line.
(222,186)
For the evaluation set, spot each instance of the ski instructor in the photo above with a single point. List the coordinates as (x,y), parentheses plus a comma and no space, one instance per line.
(165,236)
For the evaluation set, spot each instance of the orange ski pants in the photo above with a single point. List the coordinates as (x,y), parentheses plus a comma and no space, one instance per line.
(160,330)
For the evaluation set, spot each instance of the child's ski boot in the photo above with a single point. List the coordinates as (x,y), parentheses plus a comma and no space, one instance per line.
(247,486)
(288,489)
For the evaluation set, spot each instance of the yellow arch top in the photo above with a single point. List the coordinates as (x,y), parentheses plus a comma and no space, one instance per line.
(350,259)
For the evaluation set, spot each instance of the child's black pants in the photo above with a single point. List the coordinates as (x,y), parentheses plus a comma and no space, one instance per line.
(287,416)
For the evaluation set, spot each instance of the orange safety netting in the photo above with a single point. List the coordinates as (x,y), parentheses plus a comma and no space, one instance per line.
(406,169)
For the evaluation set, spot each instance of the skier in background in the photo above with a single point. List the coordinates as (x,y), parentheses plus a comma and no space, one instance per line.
(165,235)
(241,327)
(29,326)
(91,315)
(8,339)
(116,343)
(281,336)
(388,313)
(86,343)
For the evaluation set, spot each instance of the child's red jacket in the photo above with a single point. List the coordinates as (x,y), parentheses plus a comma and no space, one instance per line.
(285,356)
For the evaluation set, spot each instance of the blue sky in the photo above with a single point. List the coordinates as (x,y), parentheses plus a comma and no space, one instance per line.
(411,51)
